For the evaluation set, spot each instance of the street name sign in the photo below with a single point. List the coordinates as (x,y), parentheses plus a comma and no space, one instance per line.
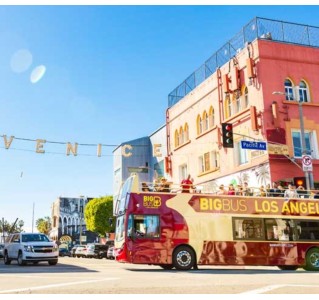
(253,145)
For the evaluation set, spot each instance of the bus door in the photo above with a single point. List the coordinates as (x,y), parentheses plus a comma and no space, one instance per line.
(143,234)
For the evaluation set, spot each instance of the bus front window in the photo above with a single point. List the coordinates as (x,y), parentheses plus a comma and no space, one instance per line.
(144,226)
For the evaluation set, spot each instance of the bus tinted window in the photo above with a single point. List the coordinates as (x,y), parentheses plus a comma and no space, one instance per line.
(248,229)
(308,230)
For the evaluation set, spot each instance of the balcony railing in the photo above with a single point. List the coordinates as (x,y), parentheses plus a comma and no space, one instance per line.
(258,28)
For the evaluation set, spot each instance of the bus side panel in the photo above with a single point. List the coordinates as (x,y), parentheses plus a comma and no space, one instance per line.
(250,253)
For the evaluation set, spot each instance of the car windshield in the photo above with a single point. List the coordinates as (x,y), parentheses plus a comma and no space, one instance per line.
(34,238)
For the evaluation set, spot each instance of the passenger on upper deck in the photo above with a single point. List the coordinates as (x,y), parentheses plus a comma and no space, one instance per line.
(221,190)
(164,186)
(290,193)
(246,190)
(187,184)
(231,189)
(145,187)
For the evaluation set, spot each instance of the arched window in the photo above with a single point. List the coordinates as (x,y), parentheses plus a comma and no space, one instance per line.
(289,90)
(199,125)
(176,138)
(181,136)
(186,132)
(228,107)
(211,117)
(303,92)
(205,121)
(238,103)
(246,98)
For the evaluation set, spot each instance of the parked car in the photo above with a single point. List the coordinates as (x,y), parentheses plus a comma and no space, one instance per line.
(73,250)
(30,247)
(1,250)
(80,251)
(96,250)
(110,253)
(64,252)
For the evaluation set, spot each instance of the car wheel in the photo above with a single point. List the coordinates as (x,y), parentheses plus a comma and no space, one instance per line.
(184,258)
(21,262)
(52,262)
(312,260)
(6,259)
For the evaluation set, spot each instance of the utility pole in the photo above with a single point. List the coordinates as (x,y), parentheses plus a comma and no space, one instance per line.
(303,142)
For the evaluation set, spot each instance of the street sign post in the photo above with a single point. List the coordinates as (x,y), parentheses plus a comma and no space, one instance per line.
(307,163)
(253,145)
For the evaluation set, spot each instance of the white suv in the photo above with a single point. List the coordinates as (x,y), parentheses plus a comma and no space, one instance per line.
(30,247)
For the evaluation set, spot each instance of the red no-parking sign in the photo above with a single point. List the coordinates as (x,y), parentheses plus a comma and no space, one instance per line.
(307,163)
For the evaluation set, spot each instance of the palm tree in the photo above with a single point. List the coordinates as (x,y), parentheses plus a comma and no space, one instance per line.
(44,225)
(262,174)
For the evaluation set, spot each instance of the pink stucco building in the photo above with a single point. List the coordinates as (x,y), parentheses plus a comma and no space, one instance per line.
(253,82)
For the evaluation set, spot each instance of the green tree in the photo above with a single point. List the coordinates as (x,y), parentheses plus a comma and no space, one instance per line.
(44,225)
(7,227)
(98,213)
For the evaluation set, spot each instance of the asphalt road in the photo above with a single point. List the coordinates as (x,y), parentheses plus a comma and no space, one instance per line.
(93,276)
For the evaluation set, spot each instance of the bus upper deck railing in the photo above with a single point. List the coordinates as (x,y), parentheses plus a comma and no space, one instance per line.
(170,187)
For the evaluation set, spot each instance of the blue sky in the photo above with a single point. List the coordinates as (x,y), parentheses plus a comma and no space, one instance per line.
(106,75)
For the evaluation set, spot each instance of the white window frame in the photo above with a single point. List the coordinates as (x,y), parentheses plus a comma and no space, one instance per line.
(213,162)
(303,92)
(241,154)
(183,172)
(289,90)
(313,151)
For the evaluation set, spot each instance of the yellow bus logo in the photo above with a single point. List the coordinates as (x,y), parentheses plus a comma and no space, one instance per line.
(152,201)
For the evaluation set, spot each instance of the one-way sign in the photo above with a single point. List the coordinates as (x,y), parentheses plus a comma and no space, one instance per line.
(253,145)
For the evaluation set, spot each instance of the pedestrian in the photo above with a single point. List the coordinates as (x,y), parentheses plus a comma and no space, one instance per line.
(187,184)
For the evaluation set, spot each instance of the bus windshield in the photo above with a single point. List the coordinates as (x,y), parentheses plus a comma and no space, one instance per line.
(122,200)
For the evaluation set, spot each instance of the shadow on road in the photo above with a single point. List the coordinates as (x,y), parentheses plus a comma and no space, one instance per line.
(219,271)
(42,267)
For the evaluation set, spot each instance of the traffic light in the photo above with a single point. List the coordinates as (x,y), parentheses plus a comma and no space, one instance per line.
(227,131)
(300,181)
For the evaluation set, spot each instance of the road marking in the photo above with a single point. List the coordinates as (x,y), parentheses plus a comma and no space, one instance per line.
(276,286)
(55,285)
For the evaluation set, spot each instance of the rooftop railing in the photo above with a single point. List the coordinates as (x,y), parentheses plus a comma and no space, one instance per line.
(258,28)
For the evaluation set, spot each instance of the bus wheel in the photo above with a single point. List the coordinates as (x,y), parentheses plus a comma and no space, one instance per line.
(183,258)
(167,267)
(312,260)
(288,268)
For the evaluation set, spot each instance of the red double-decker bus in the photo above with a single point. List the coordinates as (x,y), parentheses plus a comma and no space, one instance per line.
(185,230)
